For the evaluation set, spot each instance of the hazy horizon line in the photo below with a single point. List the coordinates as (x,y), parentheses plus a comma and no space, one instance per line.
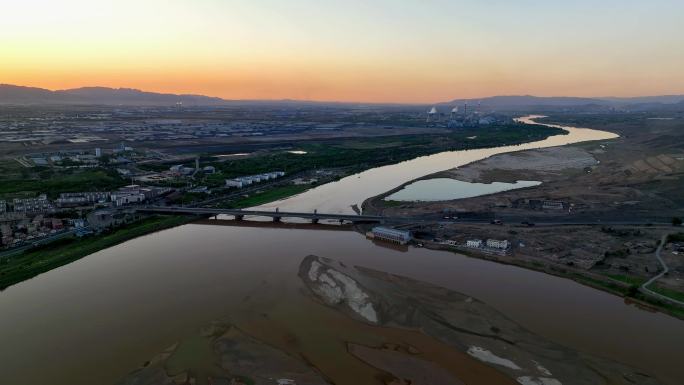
(181,93)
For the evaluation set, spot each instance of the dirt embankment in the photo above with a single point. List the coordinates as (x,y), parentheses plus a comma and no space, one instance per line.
(543,165)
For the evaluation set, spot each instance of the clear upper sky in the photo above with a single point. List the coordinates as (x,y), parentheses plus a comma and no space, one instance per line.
(351,50)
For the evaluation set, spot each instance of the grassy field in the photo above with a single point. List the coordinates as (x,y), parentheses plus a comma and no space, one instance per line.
(267,196)
(53,182)
(11,169)
(44,258)
(627,279)
(678,295)
(678,237)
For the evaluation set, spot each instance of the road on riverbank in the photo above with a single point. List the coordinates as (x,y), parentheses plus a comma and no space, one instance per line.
(644,288)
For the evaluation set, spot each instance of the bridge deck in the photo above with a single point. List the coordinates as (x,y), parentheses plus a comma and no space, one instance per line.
(261,213)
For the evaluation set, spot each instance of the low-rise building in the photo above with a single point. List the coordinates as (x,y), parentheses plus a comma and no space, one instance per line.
(552,205)
(136,194)
(123,199)
(474,243)
(82,198)
(251,179)
(498,244)
(401,237)
(33,205)
(234,183)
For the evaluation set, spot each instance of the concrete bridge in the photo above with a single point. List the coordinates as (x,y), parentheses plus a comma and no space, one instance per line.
(276,215)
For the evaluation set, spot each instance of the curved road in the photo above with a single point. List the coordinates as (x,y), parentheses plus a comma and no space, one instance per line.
(646,290)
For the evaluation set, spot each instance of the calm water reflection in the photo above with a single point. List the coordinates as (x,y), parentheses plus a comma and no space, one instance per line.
(444,189)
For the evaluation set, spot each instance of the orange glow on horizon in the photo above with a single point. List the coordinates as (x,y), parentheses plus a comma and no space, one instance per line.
(384,51)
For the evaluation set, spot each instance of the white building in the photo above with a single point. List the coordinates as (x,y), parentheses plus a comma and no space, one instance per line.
(497,244)
(234,183)
(122,199)
(552,205)
(401,237)
(33,205)
(250,179)
(82,198)
(474,243)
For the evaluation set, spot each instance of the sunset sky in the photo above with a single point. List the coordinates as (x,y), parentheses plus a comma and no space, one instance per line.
(347,50)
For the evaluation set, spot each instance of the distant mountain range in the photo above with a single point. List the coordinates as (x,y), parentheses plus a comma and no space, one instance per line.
(528,101)
(11,94)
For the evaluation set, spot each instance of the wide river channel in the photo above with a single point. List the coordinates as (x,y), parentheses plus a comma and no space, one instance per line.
(95,320)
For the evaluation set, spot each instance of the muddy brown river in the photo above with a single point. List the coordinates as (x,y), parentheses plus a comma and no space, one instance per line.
(93,321)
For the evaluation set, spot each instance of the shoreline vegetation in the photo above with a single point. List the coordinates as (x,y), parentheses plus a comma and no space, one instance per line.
(44,258)
(620,286)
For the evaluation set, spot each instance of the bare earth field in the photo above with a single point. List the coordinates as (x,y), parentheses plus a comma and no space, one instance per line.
(638,178)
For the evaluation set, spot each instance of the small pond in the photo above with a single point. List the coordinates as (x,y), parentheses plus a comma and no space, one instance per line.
(444,189)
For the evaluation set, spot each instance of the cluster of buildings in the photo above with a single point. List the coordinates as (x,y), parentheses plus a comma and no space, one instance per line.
(26,230)
(543,204)
(135,194)
(179,169)
(495,246)
(20,207)
(489,244)
(82,198)
(26,220)
(458,118)
(134,124)
(39,204)
(79,158)
(251,179)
